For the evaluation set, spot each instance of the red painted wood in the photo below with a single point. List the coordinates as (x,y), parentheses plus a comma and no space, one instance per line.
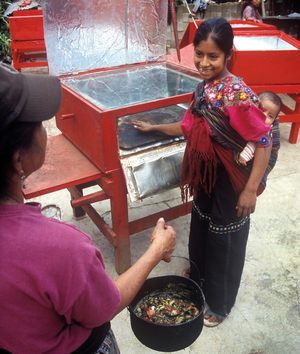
(289,118)
(64,166)
(296,97)
(120,222)
(27,34)
(289,89)
(88,199)
(23,52)
(287,110)
(93,131)
(150,220)
(33,12)
(295,126)
(26,28)
(29,46)
(109,234)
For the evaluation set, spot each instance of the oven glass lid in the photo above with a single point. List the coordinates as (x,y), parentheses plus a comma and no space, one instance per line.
(241,25)
(128,86)
(261,43)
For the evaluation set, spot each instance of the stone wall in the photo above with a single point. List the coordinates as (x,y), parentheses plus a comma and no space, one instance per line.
(230,11)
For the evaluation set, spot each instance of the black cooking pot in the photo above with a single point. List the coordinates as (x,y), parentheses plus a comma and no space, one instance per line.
(163,337)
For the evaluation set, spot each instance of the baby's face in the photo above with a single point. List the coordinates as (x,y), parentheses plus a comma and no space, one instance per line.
(271,111)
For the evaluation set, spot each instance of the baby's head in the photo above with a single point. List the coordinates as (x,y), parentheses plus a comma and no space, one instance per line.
(272,104)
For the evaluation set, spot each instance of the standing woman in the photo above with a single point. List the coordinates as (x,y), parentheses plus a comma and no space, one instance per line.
(252,11)
(223,114)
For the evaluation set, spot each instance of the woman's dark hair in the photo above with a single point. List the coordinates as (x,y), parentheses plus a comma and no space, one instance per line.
(17,136)
(219,30)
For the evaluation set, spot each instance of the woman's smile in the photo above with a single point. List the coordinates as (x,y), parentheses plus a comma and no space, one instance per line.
(205,70)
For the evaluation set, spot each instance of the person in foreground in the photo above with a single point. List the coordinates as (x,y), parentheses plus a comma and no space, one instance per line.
(251,11)
(55,295)
(223,115)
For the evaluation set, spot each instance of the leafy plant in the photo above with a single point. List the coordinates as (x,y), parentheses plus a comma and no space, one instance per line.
(5,50)
(177,3)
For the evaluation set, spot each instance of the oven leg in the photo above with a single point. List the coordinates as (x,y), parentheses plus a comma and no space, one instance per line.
(78,211)
(295,126)
(119,214)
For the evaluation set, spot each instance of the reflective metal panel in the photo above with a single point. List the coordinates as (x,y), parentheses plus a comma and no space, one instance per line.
(86,35)
(153,172)
(128,86)
(259,43)
(241,25)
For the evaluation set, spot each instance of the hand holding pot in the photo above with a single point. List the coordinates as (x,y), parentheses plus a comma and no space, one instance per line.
(162,245)
(164,238)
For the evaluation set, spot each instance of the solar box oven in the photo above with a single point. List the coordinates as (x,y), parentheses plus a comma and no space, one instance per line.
(266,57)
(240,25)
(111,62)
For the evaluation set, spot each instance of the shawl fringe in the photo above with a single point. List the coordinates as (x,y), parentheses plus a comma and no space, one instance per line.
(199,166)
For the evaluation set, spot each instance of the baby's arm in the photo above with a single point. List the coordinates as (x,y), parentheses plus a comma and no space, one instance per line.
(241,160)
(247,154)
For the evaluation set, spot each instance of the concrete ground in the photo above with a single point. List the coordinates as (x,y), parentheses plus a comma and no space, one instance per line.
(266,316)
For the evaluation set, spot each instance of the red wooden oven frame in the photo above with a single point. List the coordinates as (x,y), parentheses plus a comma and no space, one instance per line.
(27,39)
(189,33)
(95,161)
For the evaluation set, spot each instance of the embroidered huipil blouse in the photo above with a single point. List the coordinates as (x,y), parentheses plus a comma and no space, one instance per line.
(232,97)
(235,100)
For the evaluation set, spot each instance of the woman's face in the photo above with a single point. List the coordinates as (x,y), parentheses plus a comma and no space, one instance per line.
(256,3)
(210,60)
(34,158)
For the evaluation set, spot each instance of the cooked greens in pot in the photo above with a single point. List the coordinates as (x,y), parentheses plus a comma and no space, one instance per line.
(171,305)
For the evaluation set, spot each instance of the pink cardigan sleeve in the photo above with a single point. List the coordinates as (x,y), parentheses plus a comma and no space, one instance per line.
(247,13)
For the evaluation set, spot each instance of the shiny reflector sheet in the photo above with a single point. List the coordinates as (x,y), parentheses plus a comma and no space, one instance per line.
(87,35)
(261,43)
(153,172)
(240,25)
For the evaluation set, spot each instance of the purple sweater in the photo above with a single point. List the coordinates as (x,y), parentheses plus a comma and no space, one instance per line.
(53,284)
(251,12)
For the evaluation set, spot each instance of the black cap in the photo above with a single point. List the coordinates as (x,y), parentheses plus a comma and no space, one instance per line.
(27,97)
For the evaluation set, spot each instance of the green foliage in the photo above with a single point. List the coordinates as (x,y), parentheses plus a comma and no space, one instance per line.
(177,3)
(5,50)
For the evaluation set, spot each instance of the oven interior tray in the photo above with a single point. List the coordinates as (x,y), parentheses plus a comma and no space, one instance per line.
(130,138)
